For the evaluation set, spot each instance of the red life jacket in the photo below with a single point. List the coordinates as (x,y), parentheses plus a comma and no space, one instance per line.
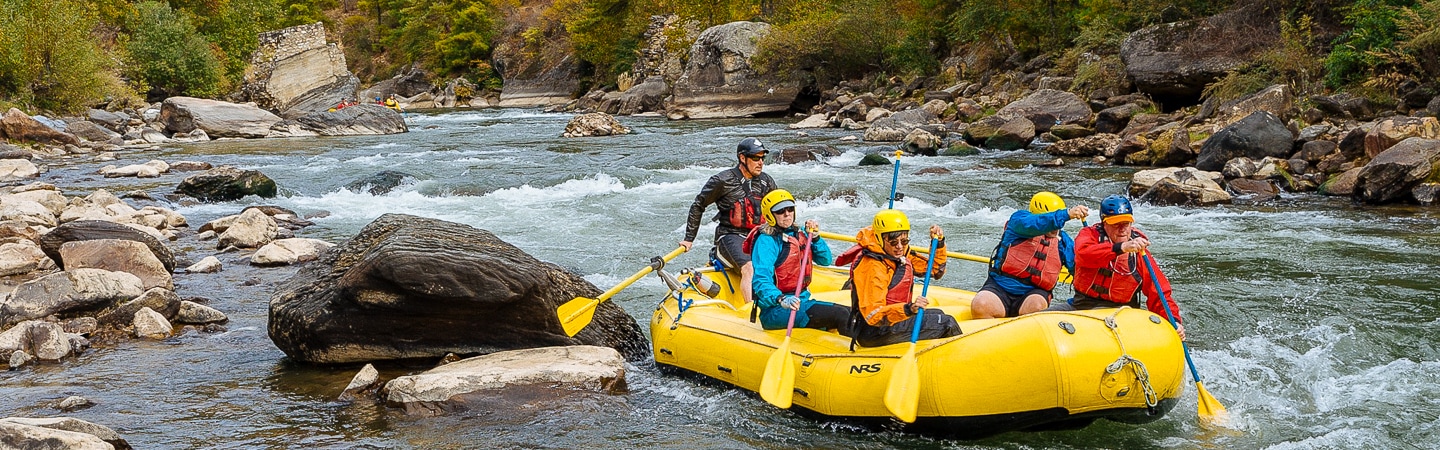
(788,276)
(901,282)
(1036,260)
(745,213)
(1119,281)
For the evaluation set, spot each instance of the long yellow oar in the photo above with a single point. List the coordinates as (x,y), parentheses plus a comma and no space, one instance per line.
(1064,274)
(851,239)
(576,314)
(777,385)
(1212,413)
(902,395)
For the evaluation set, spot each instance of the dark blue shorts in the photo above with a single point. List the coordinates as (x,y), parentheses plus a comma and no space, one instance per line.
(1012,302)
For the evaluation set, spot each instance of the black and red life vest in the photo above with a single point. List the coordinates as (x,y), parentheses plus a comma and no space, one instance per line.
(1119,281)
(1035,259)
(745,212)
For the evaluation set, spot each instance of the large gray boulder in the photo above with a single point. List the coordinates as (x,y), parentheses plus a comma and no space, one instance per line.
(93,132)
(1001,132)
(1179,59)
(1179,186)
(1391,131)
(85,230)
(60,433)
(295,72)
(719,82)
(113,121)
(1277,99)
(1098,144)
(118,255)
(227,183)
(412,287)
(25,437)
(648,96)
(218,119)
(48,341)
(1256,136)
(362,119)
(1049,107)
(895,127)
(452,386)
(1394,172)
(69,291)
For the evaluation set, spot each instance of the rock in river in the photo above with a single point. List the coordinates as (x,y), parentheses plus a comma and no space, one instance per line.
(411,287)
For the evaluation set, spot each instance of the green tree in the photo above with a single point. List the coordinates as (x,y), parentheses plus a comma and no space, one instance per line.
(166,52)
(232,26)
(48,58)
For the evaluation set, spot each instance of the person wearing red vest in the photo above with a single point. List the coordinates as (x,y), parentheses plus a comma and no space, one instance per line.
(736,193)
(1027,262)
(882,274)
(776,251)
(1108,270)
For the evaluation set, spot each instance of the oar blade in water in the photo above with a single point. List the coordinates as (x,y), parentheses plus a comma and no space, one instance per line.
(902,396)
(576,314)
(1212,413)
(777,386)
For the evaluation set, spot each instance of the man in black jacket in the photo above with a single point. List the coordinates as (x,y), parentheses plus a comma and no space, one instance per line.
(736,193)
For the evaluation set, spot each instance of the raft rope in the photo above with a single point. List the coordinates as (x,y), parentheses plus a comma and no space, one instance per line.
(1141,374)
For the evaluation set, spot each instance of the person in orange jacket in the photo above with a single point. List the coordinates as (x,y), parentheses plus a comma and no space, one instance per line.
(882,274)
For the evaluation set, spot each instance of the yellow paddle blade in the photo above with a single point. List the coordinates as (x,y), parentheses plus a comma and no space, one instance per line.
(902,396)
(1212,413)
(777,386)
(576,314)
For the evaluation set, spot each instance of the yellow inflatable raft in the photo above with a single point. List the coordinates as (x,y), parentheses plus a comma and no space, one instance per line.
(1051,370)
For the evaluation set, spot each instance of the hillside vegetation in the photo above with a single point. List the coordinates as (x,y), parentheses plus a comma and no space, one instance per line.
(68,55)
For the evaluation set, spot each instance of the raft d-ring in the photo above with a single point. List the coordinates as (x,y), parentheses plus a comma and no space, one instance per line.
(1155,319)
(1110,322)
(1067,326)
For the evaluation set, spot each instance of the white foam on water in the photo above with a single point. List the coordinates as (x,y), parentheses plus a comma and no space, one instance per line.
(528,196)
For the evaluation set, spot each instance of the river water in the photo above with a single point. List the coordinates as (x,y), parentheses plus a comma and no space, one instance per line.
(1309,318)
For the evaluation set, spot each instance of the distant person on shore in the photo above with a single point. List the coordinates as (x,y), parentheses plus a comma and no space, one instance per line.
(1109,272)
(1026,264)
(882,274)
(781,269)
(736,193)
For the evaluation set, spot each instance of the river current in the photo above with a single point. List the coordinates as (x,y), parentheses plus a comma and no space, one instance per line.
(1309,318)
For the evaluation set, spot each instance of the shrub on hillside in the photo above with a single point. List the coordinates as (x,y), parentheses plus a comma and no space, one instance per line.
(836,41)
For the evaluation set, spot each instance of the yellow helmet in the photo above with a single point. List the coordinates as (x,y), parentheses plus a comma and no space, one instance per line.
(888,220)
(776,199)
(1044,202)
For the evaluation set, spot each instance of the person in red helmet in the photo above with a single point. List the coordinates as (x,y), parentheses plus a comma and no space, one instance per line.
(737,193)
(1109,272)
